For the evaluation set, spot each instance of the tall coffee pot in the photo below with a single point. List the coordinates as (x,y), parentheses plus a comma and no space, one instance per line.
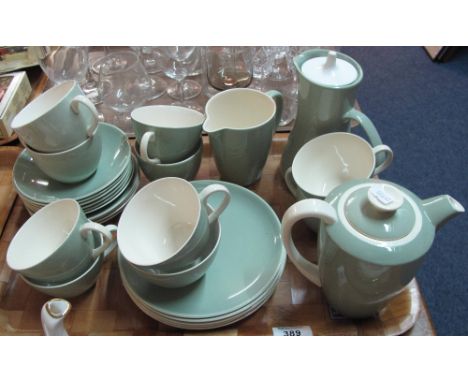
(328,82)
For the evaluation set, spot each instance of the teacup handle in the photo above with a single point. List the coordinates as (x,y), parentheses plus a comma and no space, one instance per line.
(81,99)
(290,182)
(388,157)
(106,231)
(307,208)
(210,190)
(369,129)
(278,98)
(145,140)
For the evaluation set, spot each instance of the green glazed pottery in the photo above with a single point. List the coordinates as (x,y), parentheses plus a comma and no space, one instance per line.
(329,160)
(185,169)
(54,244)
(77,285)
(178,278)
(240,124)
(72,165)
(326,102)
(57,120)
(372,239)
(250,258)
(115,158)
(166,133)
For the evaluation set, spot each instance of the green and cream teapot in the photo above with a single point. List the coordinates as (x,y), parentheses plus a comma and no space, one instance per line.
(372,239)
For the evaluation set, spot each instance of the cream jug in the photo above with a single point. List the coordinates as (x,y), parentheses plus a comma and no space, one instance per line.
(53,314)
(240,124)
(328,82)
(373,237)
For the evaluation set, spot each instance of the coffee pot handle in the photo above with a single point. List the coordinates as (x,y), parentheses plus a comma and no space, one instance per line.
(278,98)
(307,208)
(109,242)
(147,137)
(81,99)
(369,129)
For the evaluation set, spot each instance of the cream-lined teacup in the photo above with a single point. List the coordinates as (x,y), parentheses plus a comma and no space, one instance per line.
(166,225)
(72,165)
(56,244)
(166,133)
(186,169)
(329,160)
(57,120)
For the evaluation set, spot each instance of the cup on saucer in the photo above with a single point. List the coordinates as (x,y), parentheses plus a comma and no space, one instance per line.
(56,244)
(166,226)
(186,169)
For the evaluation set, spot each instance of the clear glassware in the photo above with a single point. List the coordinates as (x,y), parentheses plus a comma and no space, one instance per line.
(177,65)
(123,84)
(63,63)
(151,58)
(280,75)
(229,66)
(90,85)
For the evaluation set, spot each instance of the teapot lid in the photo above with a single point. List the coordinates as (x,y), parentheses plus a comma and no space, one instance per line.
(380,222)
(380,212)
(329,70)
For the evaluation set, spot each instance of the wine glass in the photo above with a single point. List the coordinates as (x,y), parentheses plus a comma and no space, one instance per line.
(63,63)
(123,84)
(151,57)
(177,65)
(90,85)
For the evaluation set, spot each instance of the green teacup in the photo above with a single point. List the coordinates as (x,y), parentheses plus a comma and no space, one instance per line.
(57,120)
(173,224)
(185,169)
(166,133)
(330,160)
(78,285)
(73,165)
(54,245)
(180,277)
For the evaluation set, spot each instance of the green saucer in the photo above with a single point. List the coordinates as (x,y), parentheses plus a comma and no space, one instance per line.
(32,183)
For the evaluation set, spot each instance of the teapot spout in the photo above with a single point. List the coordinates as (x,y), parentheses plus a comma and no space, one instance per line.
(441,209)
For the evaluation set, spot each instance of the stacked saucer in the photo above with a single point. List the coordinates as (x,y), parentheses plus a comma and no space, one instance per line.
(101,196)
(247,268)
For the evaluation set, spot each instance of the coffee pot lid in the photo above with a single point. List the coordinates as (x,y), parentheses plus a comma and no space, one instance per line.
(329,70)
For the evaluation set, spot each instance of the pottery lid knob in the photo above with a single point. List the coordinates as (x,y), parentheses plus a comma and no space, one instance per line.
(385,198)
(329,70)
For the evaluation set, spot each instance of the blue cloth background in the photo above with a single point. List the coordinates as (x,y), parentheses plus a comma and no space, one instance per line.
(421,111)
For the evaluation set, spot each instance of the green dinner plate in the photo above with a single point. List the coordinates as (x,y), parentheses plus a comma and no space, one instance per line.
(250,256)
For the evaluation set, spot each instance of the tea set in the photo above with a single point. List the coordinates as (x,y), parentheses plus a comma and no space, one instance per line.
(201,254)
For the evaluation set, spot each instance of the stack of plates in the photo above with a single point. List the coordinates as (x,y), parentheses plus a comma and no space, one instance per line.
(102,196)
(243,276)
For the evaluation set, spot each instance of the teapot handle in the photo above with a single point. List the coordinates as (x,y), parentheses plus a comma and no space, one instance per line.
(278,98)
(369,129)
(307,208)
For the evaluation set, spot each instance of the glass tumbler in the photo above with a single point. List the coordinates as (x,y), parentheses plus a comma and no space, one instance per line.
(229,66)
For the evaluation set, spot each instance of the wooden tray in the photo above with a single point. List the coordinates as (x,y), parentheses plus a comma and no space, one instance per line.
(8,157)
(107,310)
